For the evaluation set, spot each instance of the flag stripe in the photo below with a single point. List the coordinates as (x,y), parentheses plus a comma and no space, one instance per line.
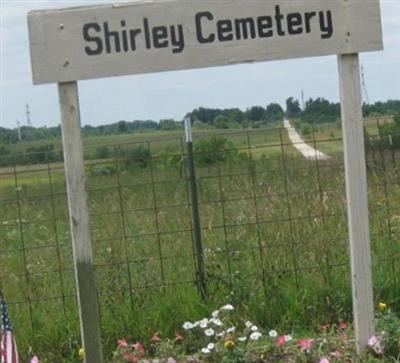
(9,353)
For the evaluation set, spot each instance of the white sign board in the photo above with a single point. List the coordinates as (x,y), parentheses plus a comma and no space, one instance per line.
(151,36)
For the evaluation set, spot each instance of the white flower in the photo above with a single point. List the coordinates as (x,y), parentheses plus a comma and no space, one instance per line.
(227,307)
(273,333)
(203,323)
(215,313)
(205,351)
(187,325)
(254,328)
(242,339)
(211,346)
(248,324)
(255,336)
(288,338)
(221,334)
(216,321)
(209,332)
(231,329)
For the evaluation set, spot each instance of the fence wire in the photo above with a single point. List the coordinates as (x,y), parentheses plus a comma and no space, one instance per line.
(273,227)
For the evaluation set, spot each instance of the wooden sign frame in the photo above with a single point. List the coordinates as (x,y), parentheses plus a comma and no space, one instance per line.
(359,29)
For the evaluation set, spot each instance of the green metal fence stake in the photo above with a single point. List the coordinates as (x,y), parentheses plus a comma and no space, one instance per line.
(201,275)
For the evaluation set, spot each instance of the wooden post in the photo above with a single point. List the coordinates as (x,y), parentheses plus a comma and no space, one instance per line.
(79,220)
(357,203)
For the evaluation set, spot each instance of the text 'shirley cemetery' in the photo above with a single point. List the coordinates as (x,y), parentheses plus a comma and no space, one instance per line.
(146,36)
(129,36)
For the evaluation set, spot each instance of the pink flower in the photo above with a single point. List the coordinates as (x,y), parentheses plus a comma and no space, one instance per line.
(281,340)
(372,341)
(375,343)
(336,354)
(178,337)
(305,344)
(139,348)
(122,343)
(343,325)
(130,357)
(35,359)
(324,360)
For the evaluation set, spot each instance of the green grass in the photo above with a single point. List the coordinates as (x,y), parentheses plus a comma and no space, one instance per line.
(328,137)
(273,227)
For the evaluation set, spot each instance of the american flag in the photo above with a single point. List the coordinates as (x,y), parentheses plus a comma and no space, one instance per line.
(8,347)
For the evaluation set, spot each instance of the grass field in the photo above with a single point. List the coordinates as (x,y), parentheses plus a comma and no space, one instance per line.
(273,226)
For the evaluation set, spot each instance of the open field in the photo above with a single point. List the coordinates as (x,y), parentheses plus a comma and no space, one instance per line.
(328,137)
(273,226)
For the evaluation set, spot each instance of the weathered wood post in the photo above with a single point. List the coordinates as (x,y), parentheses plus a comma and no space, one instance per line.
(357,204)
(79,220)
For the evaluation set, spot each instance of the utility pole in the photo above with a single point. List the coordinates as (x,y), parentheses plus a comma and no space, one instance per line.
(28,115)
(364,86)
(302,100)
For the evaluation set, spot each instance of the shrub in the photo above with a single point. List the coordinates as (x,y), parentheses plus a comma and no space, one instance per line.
(102,152)
(211,151)
(306,129)
(42,154)
(138,156)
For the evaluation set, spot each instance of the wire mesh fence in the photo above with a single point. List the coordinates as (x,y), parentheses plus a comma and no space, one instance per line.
(273,228)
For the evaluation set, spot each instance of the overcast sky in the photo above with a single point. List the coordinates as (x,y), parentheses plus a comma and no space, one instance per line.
(173,94)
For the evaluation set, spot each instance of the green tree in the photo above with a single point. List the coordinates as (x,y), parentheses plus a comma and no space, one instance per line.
(256,113)
(168,125)
(292,108)
(221,122)
(274,112)
(320,110)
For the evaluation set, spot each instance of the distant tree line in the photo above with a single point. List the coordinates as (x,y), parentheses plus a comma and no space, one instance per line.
(320,110)
(315,111)
(256,116)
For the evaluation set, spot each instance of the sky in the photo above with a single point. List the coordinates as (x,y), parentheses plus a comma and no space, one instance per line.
(173,94)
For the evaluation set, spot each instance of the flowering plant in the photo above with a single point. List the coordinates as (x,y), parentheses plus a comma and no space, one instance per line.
(221,338)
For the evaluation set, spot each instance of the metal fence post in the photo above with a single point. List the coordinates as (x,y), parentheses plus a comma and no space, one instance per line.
(201,275)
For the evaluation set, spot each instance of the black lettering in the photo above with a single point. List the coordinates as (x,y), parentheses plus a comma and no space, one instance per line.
(177,39)
(326,25)
(294,23)
(146,32)
(124,34)
(132,35)
(245,26)
(160,37)
(224,29)
(99,44)
(200,36)
(107,37)
(264,24)
(279,18)
(308,17)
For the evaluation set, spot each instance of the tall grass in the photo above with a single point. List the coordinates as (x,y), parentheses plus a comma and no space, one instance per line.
(273,226)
